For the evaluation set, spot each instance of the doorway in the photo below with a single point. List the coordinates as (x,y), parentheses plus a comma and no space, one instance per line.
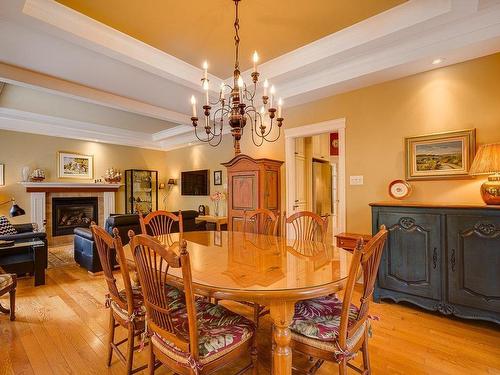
(307,158)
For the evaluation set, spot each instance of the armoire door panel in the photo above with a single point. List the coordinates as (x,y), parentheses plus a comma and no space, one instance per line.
(271,190)
(411,259)
(473,260)
(244,192)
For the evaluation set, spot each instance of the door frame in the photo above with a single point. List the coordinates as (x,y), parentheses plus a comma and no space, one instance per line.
(337,125)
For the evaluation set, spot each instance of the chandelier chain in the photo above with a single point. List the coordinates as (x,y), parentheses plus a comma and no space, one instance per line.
(237,36)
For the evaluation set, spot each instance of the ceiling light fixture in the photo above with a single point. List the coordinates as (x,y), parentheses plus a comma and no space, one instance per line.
(437,61)
(238,108)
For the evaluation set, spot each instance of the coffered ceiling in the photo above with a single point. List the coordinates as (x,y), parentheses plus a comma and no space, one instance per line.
(143,57)
(193,30)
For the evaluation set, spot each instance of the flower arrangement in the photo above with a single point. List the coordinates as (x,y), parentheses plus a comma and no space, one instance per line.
(217,197)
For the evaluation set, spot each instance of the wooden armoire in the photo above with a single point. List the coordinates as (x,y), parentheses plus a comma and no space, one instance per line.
(252,183)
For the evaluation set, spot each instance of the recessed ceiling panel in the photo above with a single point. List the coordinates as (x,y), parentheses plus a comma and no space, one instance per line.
(194,30)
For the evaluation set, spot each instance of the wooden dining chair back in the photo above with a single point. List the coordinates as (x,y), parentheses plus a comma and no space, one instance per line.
(160,223)
(261,221)
(366,261)
(308,226)
(125,305)
(107,251)
(353,326)
(153,261)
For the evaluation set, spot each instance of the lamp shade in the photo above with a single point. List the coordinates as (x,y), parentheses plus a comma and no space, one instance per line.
(15,210)
(487,160)
(172,181)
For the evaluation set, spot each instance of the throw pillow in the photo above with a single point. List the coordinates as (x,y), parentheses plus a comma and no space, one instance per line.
(6,228)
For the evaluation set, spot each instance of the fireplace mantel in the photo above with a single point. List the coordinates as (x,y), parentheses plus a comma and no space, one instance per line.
(60,187)
(41,193)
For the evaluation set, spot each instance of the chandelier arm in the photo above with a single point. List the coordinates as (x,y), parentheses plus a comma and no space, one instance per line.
(202,139)
(258,117)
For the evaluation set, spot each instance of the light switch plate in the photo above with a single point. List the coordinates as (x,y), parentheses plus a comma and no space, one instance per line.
(356,180)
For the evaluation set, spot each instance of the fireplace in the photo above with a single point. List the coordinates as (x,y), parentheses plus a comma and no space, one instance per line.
(72,212)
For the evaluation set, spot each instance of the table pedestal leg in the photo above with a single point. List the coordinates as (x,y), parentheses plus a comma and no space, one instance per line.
(282,314)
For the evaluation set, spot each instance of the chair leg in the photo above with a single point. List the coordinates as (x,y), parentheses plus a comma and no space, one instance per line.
(151,363)
(254,355)
(343,367)
(366,357)
(111,337)
(12,295)
(130,350)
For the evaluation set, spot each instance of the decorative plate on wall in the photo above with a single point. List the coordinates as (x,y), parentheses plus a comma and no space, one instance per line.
(399,189)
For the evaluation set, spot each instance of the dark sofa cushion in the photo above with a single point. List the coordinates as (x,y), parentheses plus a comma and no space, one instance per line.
(84,232)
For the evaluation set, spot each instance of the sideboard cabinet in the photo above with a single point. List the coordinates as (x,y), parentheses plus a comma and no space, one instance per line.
(441,257)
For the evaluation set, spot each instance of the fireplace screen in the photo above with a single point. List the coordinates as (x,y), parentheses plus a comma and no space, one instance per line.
(70,213)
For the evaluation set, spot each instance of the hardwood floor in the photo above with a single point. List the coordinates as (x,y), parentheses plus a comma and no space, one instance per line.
(61,329)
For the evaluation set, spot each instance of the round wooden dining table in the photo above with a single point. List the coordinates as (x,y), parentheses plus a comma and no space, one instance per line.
(269,270)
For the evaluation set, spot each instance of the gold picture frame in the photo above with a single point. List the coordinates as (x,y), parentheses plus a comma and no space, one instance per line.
(445,155)
(75,165)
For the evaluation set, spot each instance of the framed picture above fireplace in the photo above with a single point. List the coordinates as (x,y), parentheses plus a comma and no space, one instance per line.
(74,165)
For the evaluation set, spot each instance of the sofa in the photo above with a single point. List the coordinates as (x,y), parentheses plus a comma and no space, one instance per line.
(85,249)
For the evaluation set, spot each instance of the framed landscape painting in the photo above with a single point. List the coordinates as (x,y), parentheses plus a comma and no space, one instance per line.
(440,155)
(72,165)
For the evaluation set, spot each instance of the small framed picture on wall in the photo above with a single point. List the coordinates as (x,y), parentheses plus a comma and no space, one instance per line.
(73,165)
(2,174)
(217,177)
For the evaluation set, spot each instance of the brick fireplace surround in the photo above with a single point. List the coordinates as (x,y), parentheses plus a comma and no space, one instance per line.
(41,194)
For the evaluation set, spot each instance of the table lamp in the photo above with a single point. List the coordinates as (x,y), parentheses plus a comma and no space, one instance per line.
(487,161)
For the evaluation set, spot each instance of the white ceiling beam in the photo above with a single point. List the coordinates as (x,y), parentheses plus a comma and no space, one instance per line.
(35,123)
(83,30)
(27,78)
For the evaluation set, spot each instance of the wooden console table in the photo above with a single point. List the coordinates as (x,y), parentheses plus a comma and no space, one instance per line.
(217,220)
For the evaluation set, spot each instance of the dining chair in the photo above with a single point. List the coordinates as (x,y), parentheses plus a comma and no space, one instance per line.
(196,337)
(330,329)
(126,305)
(261,221)
(8,284)
(160,223)
(307,226)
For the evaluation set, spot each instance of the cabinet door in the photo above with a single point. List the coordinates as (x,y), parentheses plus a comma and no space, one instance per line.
(473,259)
(325,146)
(316,146)
(300,147)
(243,196)
(411,258)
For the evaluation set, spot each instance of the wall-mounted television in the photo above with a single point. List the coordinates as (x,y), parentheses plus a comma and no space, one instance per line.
(195,182)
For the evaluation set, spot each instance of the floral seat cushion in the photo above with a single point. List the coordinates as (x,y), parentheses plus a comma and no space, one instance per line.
(319,318)
(5,280)
(175,296)
(219,331)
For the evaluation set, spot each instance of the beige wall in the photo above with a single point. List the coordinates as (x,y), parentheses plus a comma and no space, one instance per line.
(35,151)
(461,96)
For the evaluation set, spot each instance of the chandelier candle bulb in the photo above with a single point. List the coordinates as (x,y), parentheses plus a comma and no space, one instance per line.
(280,106)
(255,61)
(193,103)
(205,68)
(266,85)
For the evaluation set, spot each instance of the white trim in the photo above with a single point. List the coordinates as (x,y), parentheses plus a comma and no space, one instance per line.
(306,131)
(71,185)
(109,205)
(95,35)
(29,122)
(53,85)
(37,206)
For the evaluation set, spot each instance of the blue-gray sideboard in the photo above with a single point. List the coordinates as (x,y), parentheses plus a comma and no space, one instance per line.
(440,257)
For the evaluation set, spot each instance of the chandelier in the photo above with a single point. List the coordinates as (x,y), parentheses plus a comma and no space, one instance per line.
(238,107)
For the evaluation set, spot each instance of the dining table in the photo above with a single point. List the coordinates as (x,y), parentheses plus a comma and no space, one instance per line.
(272,271)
